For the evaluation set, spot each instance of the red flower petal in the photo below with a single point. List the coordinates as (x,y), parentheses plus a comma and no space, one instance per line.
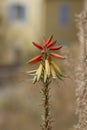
(51,44)
(35,59)
(49,39)
(56,47)
(37,45)
(57,56)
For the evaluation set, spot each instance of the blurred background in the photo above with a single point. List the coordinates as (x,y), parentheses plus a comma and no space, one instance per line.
(24,21)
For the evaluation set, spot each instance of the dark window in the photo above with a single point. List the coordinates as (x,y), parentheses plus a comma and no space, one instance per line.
(16,12)
(64,14)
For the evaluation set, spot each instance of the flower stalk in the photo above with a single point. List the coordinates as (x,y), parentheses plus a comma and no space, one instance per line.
(47,71)
(46,124)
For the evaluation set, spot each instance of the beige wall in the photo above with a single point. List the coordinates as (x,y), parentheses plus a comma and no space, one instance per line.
(22,34)
(66,34)
(85,4)
(33,27)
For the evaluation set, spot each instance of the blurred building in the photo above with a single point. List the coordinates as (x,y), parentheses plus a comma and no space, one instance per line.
(22,22)
(25,20)
(60,19)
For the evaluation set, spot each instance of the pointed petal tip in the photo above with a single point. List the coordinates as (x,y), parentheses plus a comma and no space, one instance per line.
(37,45)
(57,56)
(64,57)
(49,40)
(27,62)
(56,47)
(51,44)
(35,59)
(51,35)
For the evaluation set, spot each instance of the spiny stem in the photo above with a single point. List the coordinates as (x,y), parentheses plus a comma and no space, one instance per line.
(46,116)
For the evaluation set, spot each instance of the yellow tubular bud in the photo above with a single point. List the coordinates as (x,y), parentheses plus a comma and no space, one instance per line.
(45,76)
(39,72)
(53,73)
(56,68)
(35,79)
(30,72)
(47,67)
